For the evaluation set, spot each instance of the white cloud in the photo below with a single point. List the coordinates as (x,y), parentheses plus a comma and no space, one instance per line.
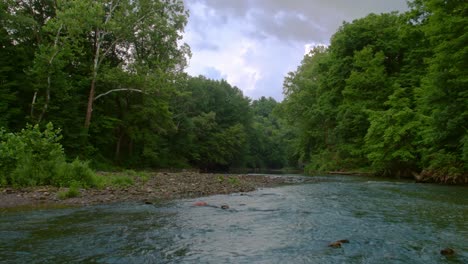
(253,44)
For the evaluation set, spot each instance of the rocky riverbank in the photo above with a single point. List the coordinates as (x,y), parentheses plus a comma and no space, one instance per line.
(156,187)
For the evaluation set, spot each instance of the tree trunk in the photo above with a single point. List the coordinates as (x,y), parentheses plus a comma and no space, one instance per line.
(118,146)
(97,49)
(46,105)
(89,110)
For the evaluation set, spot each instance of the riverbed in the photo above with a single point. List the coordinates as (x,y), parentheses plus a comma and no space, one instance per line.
(385,221)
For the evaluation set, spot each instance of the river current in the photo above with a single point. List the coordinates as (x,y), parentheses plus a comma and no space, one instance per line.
(385,221)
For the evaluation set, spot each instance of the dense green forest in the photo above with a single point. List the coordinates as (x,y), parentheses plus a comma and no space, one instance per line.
(388,95)
(110,75)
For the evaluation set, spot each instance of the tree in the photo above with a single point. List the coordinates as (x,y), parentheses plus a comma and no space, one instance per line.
(136,36)
(267,138)
(443,97)
(213,119)
(391,140)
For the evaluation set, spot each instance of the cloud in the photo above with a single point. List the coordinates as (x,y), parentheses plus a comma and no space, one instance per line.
(255,43)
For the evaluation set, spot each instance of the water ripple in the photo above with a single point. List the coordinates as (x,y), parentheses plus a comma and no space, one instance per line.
(385,222)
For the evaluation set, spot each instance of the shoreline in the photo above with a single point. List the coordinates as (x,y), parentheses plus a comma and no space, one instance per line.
(161,186)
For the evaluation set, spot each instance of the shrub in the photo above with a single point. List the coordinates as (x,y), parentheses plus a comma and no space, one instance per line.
(33,157)
(77,171)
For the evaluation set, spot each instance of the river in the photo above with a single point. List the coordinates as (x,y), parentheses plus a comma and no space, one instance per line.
(385,221)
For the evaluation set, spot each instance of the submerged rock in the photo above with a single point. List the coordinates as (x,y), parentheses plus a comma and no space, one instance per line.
(338,243)
(200,203)
(447,252)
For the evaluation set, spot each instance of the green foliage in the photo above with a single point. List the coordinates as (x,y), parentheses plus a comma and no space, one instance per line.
(389,92)
(49,60)
(231,180)
(212,125)
(267,137)
(113,179)
(443,97)
(122,181)
(391,140)
(76,171)
(73,191)
(142,175)
(34,157)
(31,156)
(324,160)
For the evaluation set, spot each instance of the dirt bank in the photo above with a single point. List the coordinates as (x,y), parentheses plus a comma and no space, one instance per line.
(159,186)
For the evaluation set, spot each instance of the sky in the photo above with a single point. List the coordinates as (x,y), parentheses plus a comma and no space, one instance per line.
(253,44)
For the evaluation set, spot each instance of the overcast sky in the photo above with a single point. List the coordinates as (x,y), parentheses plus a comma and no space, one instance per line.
(253,44)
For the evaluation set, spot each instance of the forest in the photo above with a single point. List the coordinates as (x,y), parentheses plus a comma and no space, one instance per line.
(101,84)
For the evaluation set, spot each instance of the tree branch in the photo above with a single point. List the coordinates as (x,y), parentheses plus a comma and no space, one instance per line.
(118,90)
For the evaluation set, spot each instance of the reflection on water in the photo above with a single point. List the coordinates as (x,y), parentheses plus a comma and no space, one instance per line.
(385,221)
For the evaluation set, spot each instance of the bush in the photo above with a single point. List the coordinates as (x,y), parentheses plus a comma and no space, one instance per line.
(33,157)
(77,171)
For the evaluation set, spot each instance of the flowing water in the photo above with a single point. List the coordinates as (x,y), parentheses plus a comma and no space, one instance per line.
(385,222)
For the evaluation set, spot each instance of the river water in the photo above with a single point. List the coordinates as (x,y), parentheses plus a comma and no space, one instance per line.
(385,221)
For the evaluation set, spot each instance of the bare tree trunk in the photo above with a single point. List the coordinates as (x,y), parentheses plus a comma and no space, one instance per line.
(120,132)
(89,110)
(92,89)
(46,105)
(51,60)
(98,57)
(33,103)
(118,145)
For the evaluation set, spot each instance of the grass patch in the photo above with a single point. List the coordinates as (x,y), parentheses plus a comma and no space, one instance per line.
(142,175)
(113,180)
(231,180)
(73,191)
(234,181)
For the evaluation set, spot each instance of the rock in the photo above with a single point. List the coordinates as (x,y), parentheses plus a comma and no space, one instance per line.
(338,243)
(148,202)
(224,206)
(160,186)
(447,252)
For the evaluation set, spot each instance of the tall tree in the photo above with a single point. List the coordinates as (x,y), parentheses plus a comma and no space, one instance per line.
(136,36)
(443,96)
